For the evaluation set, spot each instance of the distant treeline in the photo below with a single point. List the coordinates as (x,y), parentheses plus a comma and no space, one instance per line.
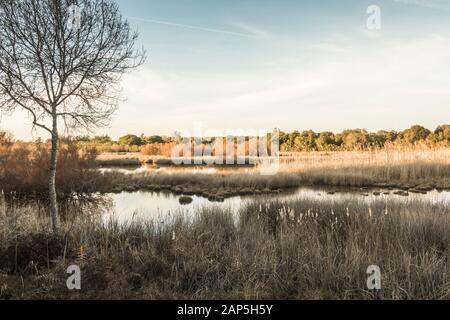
(360,139)
(348,140)
(297,141)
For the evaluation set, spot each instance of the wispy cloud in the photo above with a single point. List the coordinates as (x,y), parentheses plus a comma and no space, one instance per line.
(250,29)
(328,86)
(251,34)
(432,4)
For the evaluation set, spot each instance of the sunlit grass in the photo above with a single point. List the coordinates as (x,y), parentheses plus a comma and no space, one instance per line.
(404,169)
(300,249)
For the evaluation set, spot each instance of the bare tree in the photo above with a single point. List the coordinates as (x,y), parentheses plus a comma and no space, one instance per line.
(62,61)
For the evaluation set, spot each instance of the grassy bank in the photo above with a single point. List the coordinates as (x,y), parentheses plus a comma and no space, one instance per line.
(302,249)
(25,171)
(413,170)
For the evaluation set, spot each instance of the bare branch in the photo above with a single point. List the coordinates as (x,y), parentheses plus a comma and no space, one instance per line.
(52,70)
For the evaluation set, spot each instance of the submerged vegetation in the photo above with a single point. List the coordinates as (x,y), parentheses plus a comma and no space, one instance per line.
(301,249)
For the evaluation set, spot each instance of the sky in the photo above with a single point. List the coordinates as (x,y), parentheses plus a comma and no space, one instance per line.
(288,64)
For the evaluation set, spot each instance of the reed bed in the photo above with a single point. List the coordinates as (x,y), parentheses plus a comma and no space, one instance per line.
(369,168)
(401,169)
(381,165)
(25,171)
(299,249)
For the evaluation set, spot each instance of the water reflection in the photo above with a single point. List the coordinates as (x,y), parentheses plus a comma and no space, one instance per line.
(69,207)
(170,170)
(83,205)
(146,205)
(158,206)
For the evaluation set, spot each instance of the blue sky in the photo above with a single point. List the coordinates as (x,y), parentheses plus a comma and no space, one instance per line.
(283,63)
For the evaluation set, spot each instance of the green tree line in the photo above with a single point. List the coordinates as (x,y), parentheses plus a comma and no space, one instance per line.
(309,140)
(360,139)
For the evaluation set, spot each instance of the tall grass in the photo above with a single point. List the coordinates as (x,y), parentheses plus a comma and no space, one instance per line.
(303,249)
(404,169)
(108,147)
(24,168)
(158,149)
(408,165)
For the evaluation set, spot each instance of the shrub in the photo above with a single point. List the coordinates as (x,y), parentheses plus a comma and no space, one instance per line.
(158,149)
(24,168)
(131,140)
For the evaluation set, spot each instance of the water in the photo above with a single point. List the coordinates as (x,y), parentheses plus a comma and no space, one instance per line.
(148,205)
(170,170)
(145,205)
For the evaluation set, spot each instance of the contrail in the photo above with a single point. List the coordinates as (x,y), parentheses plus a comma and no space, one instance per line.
(172,24)
(443,5)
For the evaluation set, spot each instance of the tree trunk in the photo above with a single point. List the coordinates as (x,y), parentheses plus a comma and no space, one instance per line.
(52,179)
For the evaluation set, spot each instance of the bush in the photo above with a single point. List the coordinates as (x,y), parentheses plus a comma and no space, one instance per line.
(131,140)
(24,168)
(158,149)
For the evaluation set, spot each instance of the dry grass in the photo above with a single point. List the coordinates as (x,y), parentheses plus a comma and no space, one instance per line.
(118,156)
(302,249)
(371,167)
(24,168)
(158,149)
(403,169)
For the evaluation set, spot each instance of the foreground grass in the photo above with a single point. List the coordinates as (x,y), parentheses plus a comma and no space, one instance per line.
(302,249)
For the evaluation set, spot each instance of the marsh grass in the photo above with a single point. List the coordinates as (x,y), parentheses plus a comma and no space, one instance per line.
(119,162)
(24,170)
(300,249)
(396,165)
(405,169)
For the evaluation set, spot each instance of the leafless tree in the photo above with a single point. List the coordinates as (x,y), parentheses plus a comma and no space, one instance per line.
(62,62)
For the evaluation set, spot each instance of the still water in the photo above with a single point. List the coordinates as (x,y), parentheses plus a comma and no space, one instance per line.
(172,170)
(146,205)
